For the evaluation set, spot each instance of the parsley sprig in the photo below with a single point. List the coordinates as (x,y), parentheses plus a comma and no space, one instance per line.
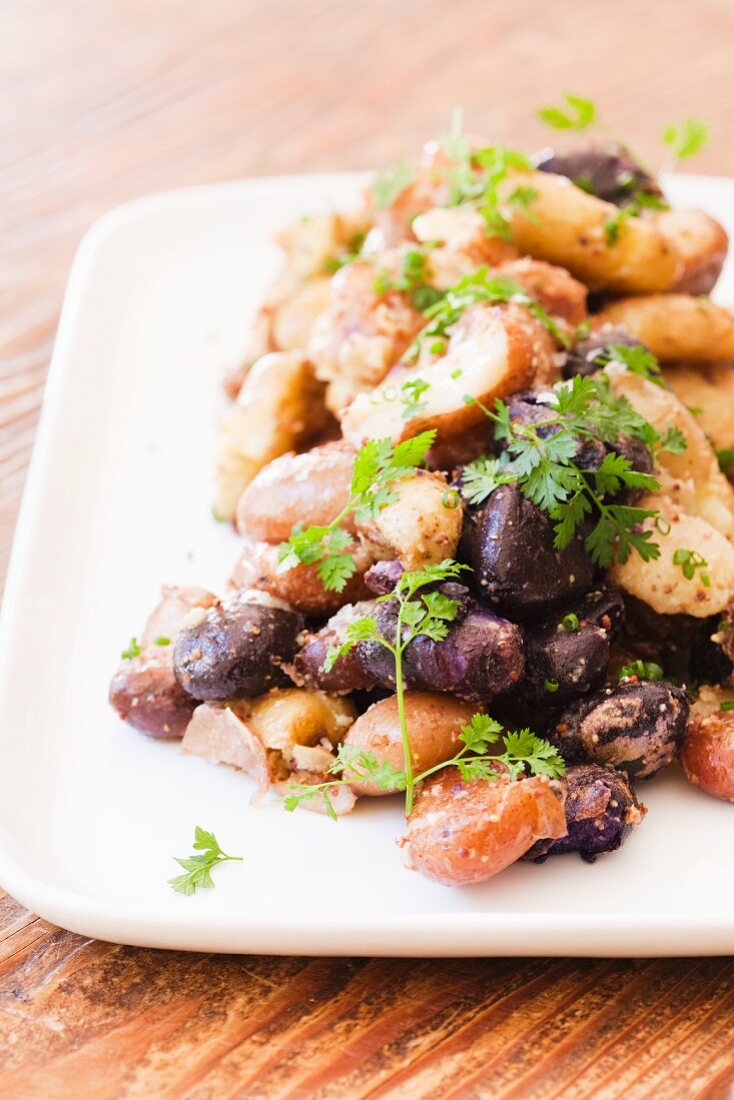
(540,459)
(378,464)
(198,868)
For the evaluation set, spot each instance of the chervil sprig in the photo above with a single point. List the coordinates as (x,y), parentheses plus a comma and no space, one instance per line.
(686,139)
(540,458)
(577,114)
(378,464)
(480,286)
(198,868)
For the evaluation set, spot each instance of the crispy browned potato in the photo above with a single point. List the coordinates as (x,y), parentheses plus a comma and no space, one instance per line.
(494,350)
(279,408)
(464,831)
(674,326)
(566,226)
(702,244)
(434,725)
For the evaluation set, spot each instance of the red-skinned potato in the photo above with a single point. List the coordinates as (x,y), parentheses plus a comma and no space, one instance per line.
(707,755)
(144,690)
(434,724)
(463,832)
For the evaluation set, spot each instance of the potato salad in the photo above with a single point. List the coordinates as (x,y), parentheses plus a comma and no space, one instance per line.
(477,457)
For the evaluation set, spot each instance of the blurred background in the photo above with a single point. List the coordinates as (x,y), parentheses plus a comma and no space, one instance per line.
(105,100)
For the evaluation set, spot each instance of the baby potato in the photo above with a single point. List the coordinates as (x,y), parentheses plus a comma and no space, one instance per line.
(674,326)
(702,244)
(707,755)
(493,350)
(555,288)
(434,724)
(709,389)
(222,735)
(692,479)
(290,718)
(144,690)
(422,526)
(300,587)
(463,832)
(309,488)
(662,584)
(279,407)
(566,226)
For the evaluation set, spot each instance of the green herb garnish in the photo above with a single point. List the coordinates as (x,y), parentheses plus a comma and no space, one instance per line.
(690,561)
(161,640)
(198,868)
(542,463)
(377,465)
(687,139)
(578,114)
(641,670)
(133,650)
(389,183)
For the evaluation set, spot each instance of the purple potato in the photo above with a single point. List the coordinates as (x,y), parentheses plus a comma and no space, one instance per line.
(145,693)
(347,674)
(602,607)
(516,566)
(606,170)
(637,727)
(481,656)
(236,649)
(562,664)
(591,354)
(601,811)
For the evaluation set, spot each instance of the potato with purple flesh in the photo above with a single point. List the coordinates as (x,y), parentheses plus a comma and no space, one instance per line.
(481,656)
(601,810)
(236,649)
(637,727)
(561,664)
(144,690)
(463,832)
(516,566)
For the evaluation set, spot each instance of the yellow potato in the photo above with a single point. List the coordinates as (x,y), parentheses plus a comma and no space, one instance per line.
(693,479)
(709,389)
(702,244)
(422,527)
(279,407)
(567,227)
(661,584)
(674,326)
(494,350)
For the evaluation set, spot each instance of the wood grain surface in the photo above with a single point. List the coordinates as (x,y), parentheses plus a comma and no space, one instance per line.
(104,100)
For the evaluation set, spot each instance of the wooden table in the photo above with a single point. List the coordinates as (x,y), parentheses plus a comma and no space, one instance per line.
(104,101)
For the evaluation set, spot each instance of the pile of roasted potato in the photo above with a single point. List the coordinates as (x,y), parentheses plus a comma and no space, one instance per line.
(641,679)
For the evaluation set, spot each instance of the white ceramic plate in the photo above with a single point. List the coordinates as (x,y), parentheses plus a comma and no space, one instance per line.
(117,502)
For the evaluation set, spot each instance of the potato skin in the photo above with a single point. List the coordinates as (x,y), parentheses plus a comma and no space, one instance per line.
(606,169)
(638,727)
(601,810)
(145,693)
(347,675)
(702,244)
(434,724)
(464,832)
(707,755)
(236,649)
(674,326)
(516,567)
(575,661)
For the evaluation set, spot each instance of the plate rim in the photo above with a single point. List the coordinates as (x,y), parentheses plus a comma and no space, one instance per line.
(484,933)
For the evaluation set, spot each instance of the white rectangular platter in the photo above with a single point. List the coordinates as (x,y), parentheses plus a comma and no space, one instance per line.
(117,502)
